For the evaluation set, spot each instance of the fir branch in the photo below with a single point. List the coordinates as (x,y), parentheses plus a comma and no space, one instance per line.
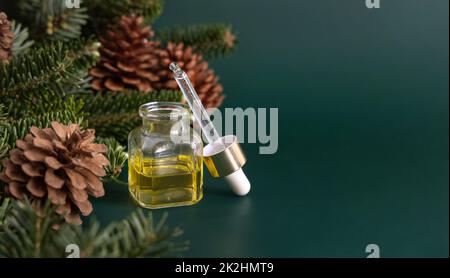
(116,114)
(24,233)
(210,40)
(4,137)
(116,155)
(105,12)
(136,236)
(3,114)
(21,41)
(4,207)
(47,101)
(52,19)
(129,101)
(53,67)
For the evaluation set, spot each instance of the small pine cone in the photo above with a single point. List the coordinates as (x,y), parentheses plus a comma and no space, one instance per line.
(202,77)
(127,55)
(60,163)
(6,37)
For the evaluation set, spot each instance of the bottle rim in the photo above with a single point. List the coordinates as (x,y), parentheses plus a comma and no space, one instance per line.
(163,111)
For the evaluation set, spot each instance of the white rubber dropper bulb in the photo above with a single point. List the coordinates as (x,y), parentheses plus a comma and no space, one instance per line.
(238,182)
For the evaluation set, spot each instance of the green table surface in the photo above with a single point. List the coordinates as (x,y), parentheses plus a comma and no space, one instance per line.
(363,131)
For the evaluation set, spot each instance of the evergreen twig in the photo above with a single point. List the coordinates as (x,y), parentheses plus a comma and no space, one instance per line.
(52,19)
(115,115)
(111,102)
(53,67)
(4,206)
(48,101)
(116,155)
(3,114)
(24,233)
(210,40)
(105,12)
(21,41)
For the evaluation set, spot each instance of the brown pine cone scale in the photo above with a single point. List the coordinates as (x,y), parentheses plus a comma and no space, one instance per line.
(6,37)
(205,82)
(127,57)
(62,164)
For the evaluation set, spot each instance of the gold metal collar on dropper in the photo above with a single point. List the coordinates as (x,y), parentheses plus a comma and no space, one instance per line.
(227,160)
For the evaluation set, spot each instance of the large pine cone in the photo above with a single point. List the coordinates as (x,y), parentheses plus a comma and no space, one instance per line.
(6,37)
(60,163)
(202,77)
(127,57)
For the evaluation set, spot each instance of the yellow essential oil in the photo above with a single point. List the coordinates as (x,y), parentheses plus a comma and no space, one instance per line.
(166,182)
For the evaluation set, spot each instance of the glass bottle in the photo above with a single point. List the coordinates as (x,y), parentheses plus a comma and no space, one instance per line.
(165,164)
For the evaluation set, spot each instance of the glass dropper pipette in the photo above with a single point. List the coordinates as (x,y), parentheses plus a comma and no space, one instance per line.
(200,113)
(223,156)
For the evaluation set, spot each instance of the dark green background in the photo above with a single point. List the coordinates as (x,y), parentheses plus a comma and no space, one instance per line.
(363,130)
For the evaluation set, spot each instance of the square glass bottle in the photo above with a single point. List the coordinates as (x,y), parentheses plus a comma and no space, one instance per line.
(165,163)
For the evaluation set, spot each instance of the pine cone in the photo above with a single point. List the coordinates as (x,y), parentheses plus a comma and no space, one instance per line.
(126,57)
(6,37)
(202,77)
(60,163)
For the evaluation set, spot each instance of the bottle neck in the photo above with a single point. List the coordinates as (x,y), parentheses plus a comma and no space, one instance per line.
(165,118)
(164,127)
